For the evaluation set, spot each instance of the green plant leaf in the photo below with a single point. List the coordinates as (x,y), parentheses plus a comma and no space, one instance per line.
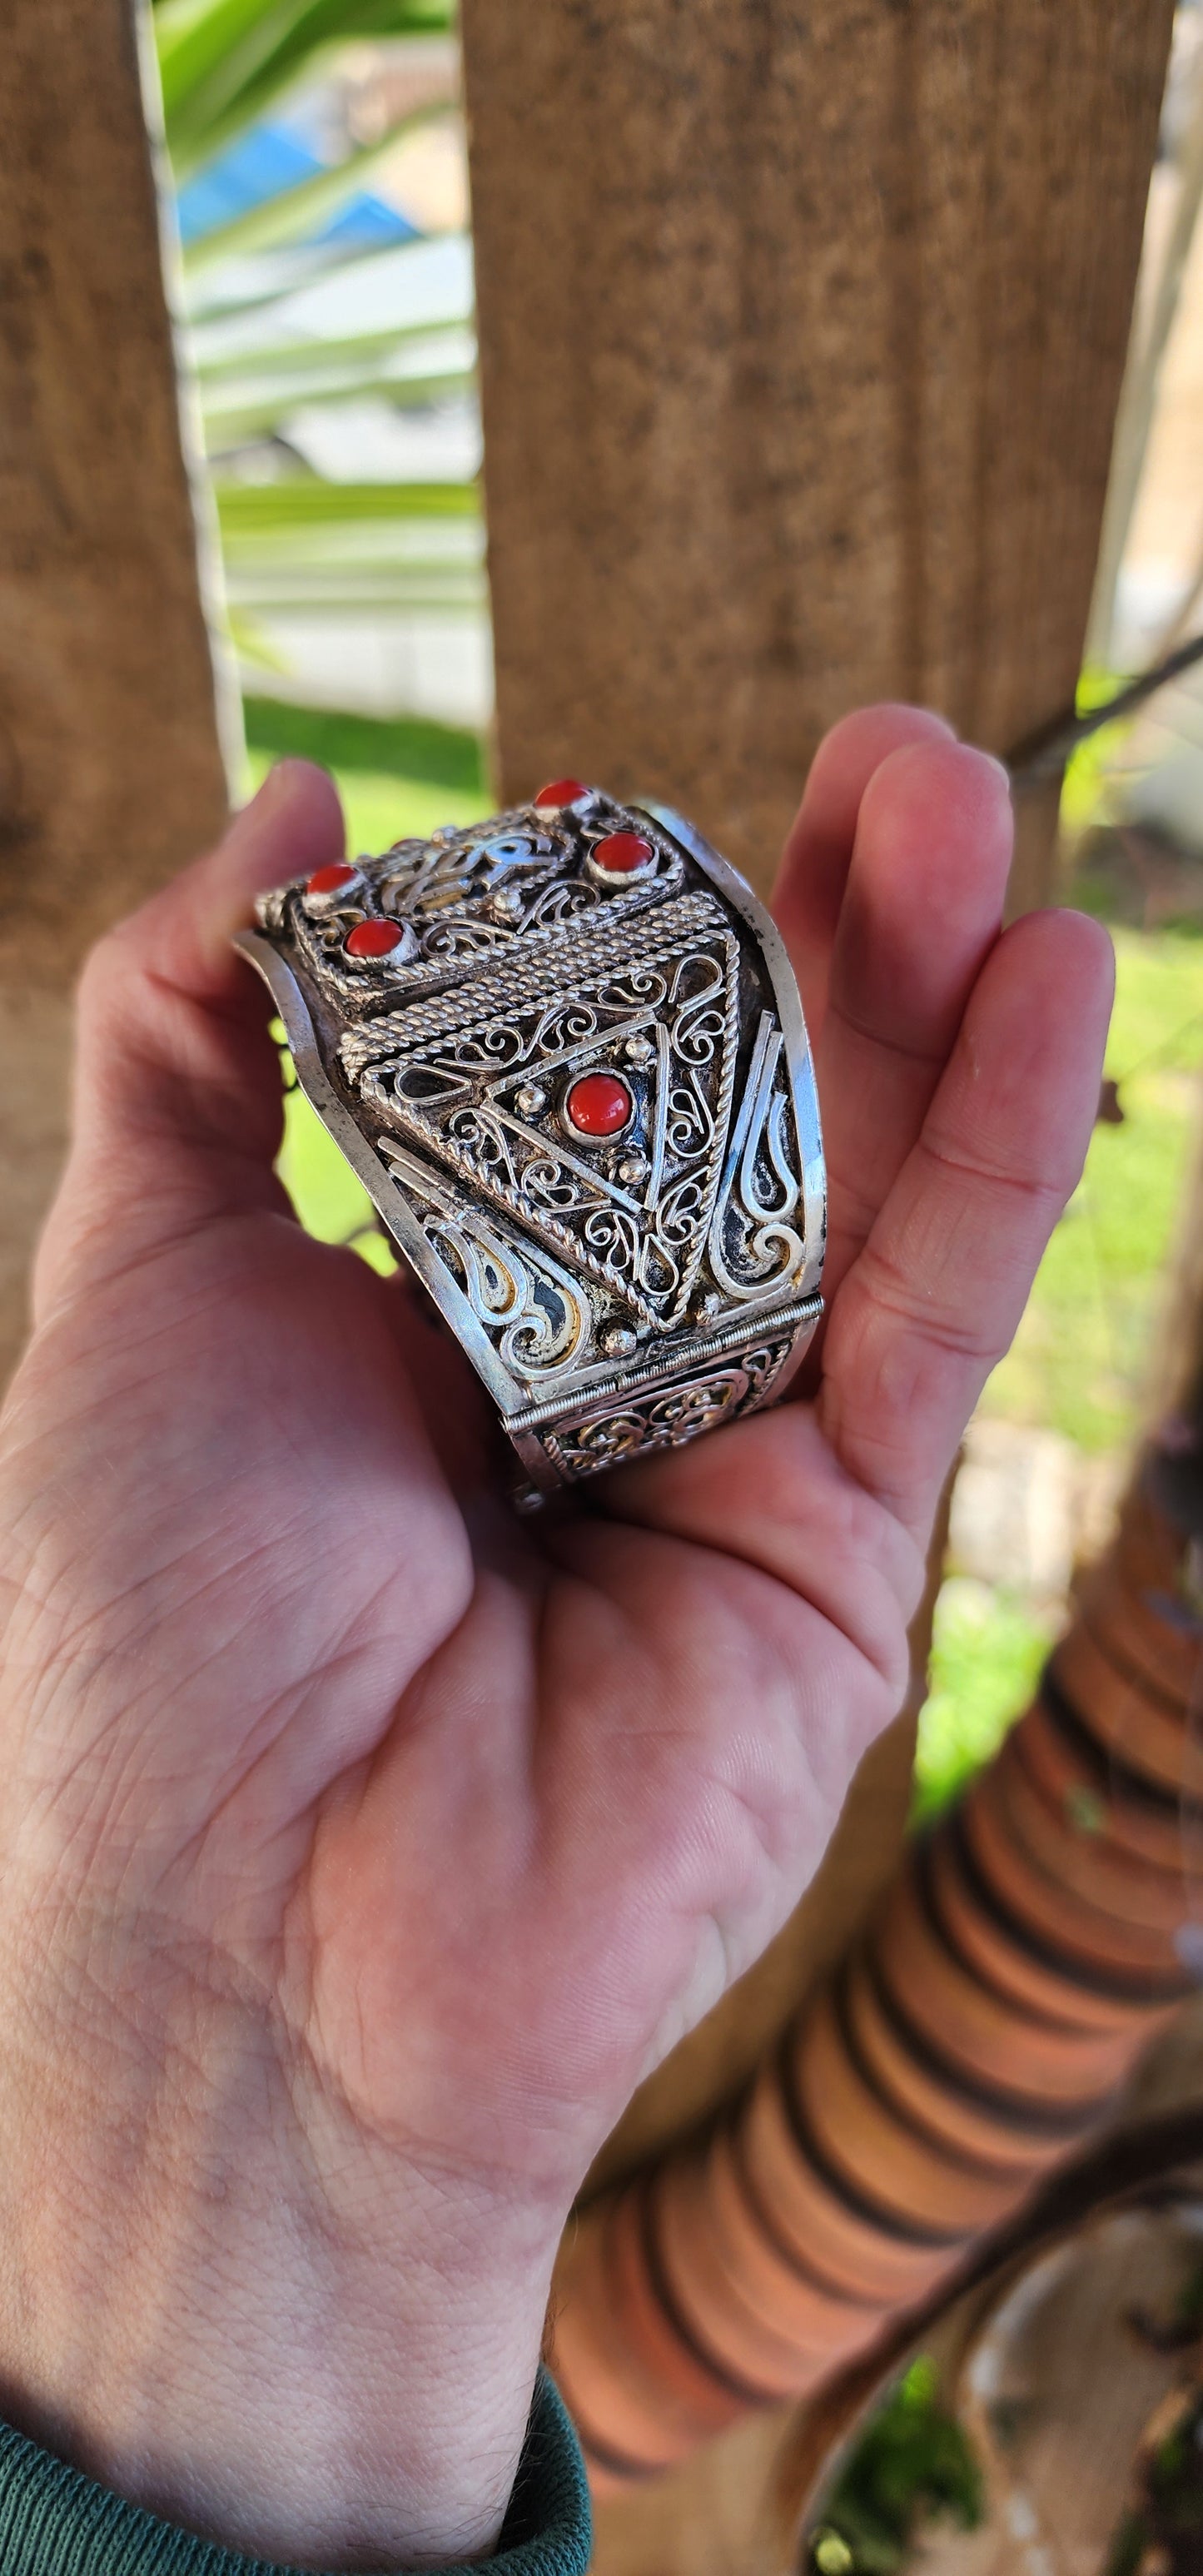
(309,599)
(249,642)
(267,359)
(222,62)
(213,55)
(329,548)
(270,510)
(406,296)
(237,416)
(253,392)
(417,747)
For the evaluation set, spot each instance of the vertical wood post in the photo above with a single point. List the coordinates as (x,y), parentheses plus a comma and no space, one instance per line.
(802,329)
(110,769)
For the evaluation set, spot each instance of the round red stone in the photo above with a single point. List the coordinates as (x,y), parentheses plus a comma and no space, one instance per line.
(328,880)
(621,853)
(374,939)
(598,1105)
(561,791)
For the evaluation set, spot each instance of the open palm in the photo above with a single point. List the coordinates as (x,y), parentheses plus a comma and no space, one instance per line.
(363,1846)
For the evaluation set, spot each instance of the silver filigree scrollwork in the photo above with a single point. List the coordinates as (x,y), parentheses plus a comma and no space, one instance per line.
(581,1099)
(542,1321)
(753,1248)
(667,1418)
(668,1026)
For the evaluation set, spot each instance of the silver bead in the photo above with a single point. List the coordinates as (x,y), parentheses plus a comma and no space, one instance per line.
(529,1101)
(633,1167)
(618,1342)
(639,1050)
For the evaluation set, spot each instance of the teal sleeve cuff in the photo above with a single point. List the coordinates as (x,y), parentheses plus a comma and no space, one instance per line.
(55,2522)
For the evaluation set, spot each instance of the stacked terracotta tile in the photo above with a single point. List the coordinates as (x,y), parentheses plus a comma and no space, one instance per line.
(1024,1954)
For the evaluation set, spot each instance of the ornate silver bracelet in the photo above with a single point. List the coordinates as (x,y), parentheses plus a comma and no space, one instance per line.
(564,1052)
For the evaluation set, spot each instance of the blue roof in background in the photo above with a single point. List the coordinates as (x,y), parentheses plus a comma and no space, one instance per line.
(261,165)
(365,222)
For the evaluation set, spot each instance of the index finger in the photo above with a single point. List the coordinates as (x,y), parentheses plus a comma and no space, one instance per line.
(810,883)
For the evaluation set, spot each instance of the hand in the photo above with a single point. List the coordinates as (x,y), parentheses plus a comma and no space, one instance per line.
(361,1846)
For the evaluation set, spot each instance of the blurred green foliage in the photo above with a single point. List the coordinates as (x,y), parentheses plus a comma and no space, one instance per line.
(986,1655)
(1080,1360)
(263,352)
(222,62)
(1086,789)
(1080,1357)
(407,750)
(911,2466)
(381,808)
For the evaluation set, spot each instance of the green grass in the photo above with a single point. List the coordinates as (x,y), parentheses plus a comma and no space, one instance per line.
(329,1200)
(380,809)
(1080,1358)
(986,1654)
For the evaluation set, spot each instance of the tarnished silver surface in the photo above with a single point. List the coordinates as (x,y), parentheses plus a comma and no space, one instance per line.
(619,1292)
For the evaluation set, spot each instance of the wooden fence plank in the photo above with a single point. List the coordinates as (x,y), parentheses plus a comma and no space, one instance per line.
(110,770)
(802,328)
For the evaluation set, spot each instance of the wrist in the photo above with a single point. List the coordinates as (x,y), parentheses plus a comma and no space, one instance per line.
(230,2310)
(55,2517)
(369,2456)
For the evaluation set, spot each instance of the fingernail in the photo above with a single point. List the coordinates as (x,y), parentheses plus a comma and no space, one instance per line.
(262,797)
(279,776)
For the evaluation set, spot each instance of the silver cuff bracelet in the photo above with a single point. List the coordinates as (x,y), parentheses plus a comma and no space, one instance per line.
(564,1052)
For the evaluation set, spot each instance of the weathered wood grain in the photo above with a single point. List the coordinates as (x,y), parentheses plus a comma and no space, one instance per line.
(110,770)
(802,328)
